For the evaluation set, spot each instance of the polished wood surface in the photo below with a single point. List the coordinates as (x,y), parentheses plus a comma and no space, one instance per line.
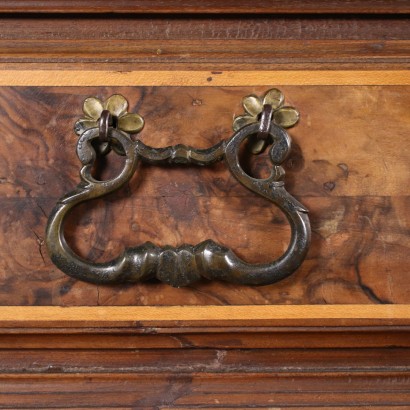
(227,27)
(232,347)
(103,78)
(220,378)
(355,184)
(126,42)
(206,6)
(125,55)
(150,335)
(143,366)
(55,317)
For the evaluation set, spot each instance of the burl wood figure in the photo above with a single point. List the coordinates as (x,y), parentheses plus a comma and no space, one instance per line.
(345,166)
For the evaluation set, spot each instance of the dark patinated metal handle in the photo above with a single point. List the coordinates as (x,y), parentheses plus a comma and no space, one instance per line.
(182,265)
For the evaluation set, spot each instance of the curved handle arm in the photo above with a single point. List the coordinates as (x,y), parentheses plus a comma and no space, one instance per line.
(180,266)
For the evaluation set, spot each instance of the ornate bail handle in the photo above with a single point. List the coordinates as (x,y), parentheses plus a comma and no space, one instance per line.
(108,126)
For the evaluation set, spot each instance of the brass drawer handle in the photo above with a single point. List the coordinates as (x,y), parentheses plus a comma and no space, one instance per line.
(185,264)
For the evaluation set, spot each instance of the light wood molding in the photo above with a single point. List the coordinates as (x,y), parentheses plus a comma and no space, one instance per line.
(342,315)
(201,78)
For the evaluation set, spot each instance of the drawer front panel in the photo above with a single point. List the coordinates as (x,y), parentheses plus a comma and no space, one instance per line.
(348,165)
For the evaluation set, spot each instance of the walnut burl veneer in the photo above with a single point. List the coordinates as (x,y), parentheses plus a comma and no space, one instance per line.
(336,334)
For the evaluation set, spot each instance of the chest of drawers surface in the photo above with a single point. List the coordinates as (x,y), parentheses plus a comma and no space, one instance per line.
(335,333)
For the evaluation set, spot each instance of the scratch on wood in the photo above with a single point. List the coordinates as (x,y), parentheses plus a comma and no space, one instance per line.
(40,242)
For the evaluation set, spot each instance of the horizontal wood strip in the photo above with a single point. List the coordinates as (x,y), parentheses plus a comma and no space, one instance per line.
(207,6)
(182,27)
(303,407)
(205,337)
(219,66)
(164,51)
(189,360)
(199,390)
(289,399)
(130,315)
(200,78)
(108,378)
(235,65)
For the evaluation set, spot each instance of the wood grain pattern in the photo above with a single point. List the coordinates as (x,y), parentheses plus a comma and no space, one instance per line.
(204,42)
(112,317)
(219,378)
(347,167)
(180,54)
(202,27)
(206,360)
(178,367)
(350,166)
(147,391)
(157,53)
(207,6)
(36,335)
(184,78)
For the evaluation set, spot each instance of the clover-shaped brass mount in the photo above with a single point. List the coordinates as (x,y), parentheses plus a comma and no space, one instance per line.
(108,125)
(284,116)
(117,106)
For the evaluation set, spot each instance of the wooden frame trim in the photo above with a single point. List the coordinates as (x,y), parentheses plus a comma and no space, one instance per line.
(85,78)
(208,6)
(132,317)
(170,316)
